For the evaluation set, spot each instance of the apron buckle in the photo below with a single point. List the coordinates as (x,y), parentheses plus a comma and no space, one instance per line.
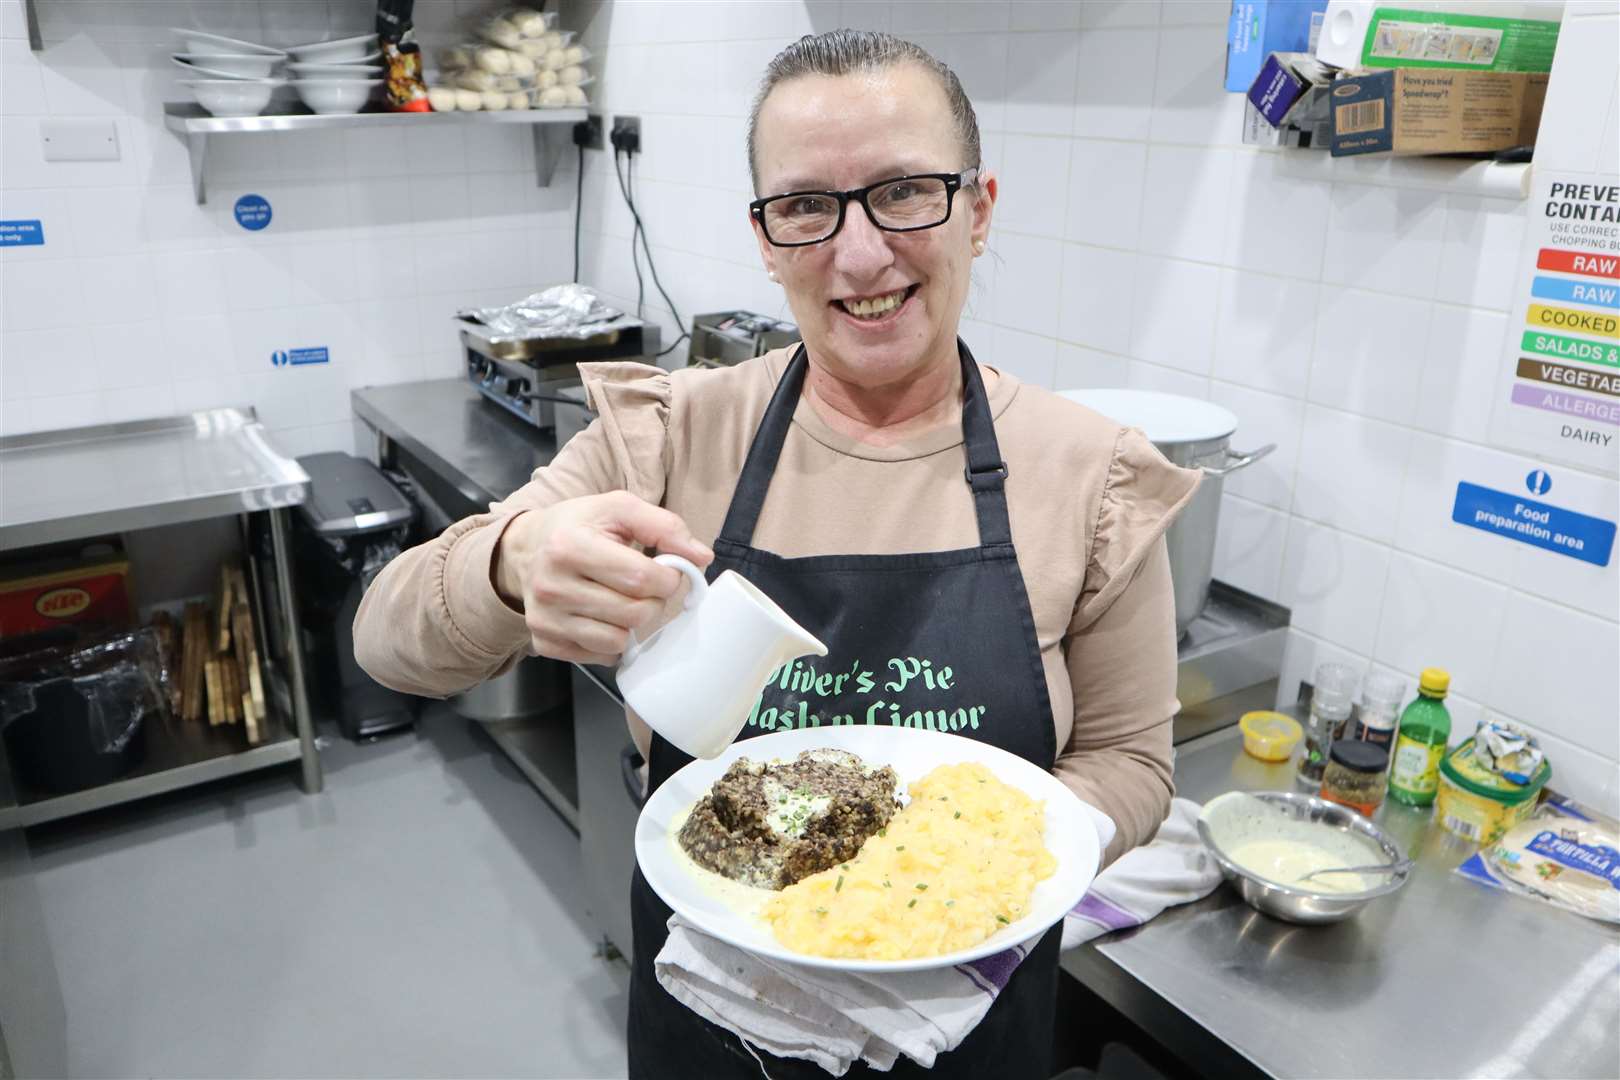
(988,478)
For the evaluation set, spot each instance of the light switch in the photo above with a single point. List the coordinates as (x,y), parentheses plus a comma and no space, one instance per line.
(79,140)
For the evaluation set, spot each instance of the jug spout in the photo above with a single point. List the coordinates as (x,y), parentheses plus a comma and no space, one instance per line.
(796,643)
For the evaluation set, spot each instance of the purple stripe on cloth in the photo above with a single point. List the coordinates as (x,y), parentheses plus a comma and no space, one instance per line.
(1100,911)
(973,977)
(997,969)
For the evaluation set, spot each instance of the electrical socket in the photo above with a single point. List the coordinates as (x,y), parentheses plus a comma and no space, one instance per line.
(626,134)
(588,132)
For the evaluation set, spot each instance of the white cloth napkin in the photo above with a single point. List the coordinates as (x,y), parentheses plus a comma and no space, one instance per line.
(831,1018)
(836,1018)
(1174,869)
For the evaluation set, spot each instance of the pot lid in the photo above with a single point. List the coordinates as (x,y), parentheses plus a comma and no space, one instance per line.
(1163,418)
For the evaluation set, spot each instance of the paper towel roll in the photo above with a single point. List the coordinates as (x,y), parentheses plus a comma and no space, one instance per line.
(1344,24)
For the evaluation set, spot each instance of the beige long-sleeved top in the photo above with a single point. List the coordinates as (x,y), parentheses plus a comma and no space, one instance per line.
(1089,502)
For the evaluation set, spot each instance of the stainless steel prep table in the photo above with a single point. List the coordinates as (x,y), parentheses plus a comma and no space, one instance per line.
(1445,978)
(464,454)
(114,478)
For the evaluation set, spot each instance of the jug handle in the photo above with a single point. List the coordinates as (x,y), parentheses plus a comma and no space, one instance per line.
(694,597)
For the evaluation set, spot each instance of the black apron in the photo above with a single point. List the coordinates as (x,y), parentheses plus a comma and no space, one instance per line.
(942,640)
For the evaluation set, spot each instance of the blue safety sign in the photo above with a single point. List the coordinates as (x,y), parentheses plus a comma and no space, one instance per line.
(24,233)
(253,212)
(299,357)
(1577,535)
(1538,482)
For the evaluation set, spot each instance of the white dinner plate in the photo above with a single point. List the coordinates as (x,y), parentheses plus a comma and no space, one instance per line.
(912,753)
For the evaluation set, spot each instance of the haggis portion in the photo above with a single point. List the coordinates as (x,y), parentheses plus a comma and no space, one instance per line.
(768,825)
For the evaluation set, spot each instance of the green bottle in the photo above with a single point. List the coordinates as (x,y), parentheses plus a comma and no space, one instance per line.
(1414,775)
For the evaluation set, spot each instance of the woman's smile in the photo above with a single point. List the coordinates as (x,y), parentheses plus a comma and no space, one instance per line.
(877,311)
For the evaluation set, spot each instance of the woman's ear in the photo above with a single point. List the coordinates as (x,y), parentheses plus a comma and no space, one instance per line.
(984,202)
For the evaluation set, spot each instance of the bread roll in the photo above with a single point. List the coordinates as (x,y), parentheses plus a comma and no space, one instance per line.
(531,24)
(502,33)
(571,76)
(442,98)
(495,61)
(469,100)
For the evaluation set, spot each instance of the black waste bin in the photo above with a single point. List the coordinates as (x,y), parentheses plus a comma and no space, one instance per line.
(353,523)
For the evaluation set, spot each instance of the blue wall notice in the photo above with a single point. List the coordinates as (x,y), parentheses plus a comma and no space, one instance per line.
(253,212)
(1567,532)
(298,357)
(26,233)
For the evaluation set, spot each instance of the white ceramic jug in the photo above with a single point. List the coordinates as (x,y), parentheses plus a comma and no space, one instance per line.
(696,678)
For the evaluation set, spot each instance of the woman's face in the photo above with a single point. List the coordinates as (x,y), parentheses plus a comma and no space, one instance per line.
(833,133)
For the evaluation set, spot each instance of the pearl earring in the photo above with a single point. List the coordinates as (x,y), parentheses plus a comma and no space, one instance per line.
(772,275)
(978,247)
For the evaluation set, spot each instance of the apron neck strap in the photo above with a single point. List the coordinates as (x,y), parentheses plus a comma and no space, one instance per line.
(986,472)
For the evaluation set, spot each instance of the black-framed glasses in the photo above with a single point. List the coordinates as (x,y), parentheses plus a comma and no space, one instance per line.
(901,204)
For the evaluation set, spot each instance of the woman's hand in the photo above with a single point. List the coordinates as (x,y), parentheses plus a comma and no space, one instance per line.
(581,587)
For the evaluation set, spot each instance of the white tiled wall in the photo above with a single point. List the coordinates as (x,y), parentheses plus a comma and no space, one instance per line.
(1138,243)
(142,303)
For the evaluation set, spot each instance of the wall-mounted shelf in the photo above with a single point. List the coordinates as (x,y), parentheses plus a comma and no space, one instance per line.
(1456,176)
(552,129)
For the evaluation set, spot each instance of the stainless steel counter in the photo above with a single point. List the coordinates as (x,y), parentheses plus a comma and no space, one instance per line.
(480,453)
(1445,978)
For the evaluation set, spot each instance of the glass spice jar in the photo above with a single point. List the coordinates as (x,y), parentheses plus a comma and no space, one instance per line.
(1356,775)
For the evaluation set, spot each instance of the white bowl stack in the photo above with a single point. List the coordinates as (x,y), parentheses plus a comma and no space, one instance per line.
(337,77)
(227,76)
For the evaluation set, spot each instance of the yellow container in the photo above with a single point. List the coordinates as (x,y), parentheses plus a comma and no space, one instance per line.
(1269,736)
(1480,805)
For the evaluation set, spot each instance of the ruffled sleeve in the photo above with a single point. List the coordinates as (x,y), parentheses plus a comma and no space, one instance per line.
(633,404)
(1141,497)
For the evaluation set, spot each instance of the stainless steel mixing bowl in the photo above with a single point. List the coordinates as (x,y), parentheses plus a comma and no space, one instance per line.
(1295,903)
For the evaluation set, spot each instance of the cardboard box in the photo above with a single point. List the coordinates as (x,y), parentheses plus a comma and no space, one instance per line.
(82,583)
(1436,111)
(1288,105)
(1258,28)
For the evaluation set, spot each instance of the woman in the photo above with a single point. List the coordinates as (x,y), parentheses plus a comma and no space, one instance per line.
(898,499)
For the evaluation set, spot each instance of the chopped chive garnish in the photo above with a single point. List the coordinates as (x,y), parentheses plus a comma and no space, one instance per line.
(900,847)
(823,911)
(958,814)
(1001,919)
(840,884)
(912,904)
(888,885)
(921,887)
(883,832)
(950,903)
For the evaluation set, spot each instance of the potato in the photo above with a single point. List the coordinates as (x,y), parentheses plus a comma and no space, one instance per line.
(469,100)
(519,100)
(502,33)
(557,59)
(531,24)
(546,80)
(522,65)
(476,80)
(553,98)
(494,100)
(571,76)
(575,54)
(576,96)
(442,98)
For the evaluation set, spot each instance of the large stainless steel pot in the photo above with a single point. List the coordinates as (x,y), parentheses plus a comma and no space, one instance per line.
(1195,434)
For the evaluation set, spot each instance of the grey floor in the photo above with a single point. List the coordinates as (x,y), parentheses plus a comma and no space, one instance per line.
(421,917)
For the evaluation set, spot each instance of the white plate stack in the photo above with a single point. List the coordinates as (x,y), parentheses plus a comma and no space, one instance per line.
(337,77)
(227,76)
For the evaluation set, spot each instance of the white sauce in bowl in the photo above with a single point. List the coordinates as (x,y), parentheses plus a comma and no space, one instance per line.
(1286,861)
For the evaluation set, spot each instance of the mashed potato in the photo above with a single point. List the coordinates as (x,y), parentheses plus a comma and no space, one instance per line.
(952,868)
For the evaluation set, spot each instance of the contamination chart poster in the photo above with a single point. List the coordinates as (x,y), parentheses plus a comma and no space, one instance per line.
(1560,396)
